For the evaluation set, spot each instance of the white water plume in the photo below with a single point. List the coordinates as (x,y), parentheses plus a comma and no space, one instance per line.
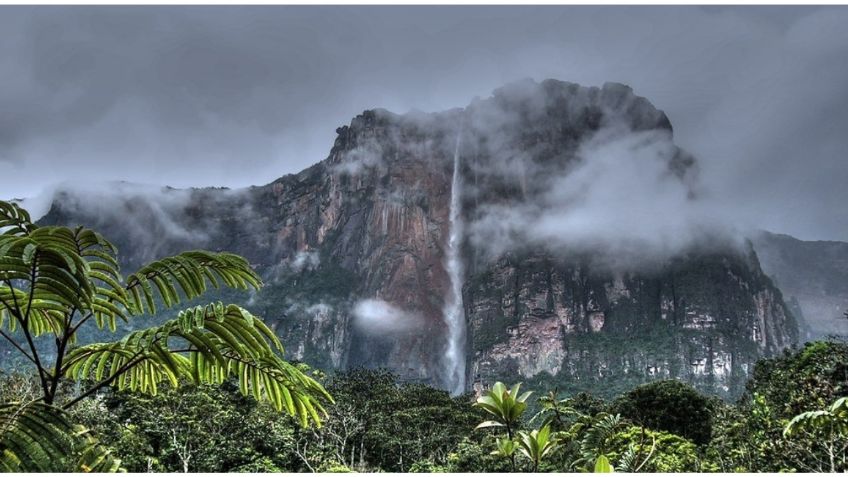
(454,314)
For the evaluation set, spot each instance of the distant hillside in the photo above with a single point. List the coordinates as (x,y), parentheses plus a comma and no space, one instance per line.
(814,275)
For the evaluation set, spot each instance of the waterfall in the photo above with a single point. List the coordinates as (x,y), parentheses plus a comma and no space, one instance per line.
(454,313)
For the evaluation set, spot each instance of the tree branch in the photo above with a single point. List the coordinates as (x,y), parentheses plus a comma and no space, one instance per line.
(61,344)
(16,345)
(80,323)
(25,327)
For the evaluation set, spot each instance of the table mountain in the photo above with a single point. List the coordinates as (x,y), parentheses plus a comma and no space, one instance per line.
(354,249)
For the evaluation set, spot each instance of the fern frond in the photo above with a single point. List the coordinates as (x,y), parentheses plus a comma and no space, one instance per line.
(63,269)
(14,220)
(187,275)
(205,344)
(110,298)
(597,435)
(50,271)
(37,437)
(44,316)
(627,461)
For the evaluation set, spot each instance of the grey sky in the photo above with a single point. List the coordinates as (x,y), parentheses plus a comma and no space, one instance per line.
(233,96)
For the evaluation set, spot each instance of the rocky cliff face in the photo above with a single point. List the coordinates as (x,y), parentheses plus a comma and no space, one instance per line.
(814,277)
(368,222)
(371,222)
(704,319)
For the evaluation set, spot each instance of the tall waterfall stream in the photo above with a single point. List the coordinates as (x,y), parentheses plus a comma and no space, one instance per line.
(454,314)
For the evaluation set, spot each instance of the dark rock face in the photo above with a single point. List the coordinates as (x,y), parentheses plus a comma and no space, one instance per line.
(372,220)
(814,277)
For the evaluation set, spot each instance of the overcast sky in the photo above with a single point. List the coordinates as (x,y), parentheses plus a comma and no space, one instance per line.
(234,96)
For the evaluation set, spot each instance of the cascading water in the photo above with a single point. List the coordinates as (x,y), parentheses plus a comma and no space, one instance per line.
(453,312)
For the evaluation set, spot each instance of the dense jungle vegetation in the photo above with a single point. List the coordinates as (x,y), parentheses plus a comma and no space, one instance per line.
(380,424)
(209,390)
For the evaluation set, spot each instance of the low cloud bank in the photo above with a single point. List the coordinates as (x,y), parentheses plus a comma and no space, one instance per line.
(375,316)
(630,198)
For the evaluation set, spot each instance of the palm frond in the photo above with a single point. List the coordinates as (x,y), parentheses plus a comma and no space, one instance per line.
(597,434)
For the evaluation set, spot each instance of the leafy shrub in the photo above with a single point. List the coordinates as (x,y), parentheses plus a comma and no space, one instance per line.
(671,453)
(427,467)
(473,456)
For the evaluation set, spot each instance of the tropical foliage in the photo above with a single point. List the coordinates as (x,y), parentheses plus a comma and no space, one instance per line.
(536,444)
(56,280)
(505,405)
(668,405)
(37,436)
(381,424)
(829,427)
(202,390)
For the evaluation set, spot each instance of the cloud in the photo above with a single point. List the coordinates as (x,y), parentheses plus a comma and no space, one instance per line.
(623,198)
(108,201)
(234,96)
(375,316)
(305,260)
(310,309)
(362,158)
(152,221)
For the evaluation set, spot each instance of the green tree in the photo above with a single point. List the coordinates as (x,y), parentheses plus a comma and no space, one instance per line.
(636,449)
(55,280)
(811,377)
(732,445)
(382,424)
(750,436)
(668,405)
(471,455)
(556,412)
(175,430)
